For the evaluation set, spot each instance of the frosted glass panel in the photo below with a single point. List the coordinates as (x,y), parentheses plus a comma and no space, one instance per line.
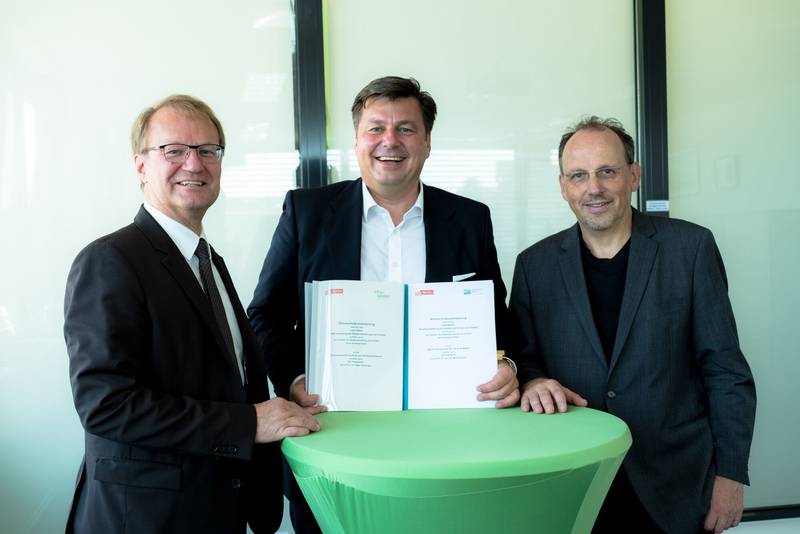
(74,76)
(508,76)
(733,86)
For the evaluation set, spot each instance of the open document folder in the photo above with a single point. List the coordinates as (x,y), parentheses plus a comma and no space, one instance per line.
(390,346)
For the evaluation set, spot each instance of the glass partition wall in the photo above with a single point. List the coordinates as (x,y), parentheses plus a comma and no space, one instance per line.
(508,78)
(74,77)
(733,86)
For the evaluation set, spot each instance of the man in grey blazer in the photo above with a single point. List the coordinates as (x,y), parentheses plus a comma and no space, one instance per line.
(167,376)
(629,314)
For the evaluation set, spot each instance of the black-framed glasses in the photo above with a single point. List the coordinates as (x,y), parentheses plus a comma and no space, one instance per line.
(178,152)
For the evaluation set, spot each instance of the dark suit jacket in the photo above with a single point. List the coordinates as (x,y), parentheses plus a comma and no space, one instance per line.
(677,376)
(169,426)
(319,238)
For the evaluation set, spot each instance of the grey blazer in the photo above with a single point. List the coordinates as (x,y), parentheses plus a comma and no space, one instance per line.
(677,376)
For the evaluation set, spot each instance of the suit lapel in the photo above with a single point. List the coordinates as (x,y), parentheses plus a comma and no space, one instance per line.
(572,271)
(343,232)
(640,265)
(442,238)
(176,265)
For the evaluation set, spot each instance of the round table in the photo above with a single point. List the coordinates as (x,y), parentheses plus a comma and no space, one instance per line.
(468,470)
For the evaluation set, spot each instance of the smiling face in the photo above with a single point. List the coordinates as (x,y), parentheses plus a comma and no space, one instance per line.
(597,182)
(182,191)
(392,145)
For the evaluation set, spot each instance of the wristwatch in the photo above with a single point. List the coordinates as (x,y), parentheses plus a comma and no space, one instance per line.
(501,356)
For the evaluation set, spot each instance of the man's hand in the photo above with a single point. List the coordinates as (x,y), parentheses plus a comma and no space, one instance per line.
(727,501)
(545,395)
(298,394)
(278,418)
(503,387)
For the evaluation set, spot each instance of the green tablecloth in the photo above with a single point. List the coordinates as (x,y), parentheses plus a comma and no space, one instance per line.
(479,470)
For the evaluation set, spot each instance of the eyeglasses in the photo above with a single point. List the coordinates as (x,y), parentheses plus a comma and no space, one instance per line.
(603,173)
(178,153)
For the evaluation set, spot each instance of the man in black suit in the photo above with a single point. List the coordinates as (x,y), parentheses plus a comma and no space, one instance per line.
(385,226)
(167,376)
(630,314)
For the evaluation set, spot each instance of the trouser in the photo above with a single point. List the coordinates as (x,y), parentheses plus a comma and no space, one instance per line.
(622,511)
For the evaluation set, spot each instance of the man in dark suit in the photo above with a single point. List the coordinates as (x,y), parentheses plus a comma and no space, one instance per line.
(385,226)
(630,314)
(167,376)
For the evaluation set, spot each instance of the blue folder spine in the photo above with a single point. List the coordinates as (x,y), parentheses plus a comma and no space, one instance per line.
(405,346)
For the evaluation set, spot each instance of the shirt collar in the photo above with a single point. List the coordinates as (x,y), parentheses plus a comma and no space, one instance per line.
(184,238)
(369,202)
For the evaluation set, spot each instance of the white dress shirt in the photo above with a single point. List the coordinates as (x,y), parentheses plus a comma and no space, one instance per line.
(392,253)
(186,241)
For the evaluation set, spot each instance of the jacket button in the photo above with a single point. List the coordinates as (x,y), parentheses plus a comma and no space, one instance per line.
(236,483)
(611,394)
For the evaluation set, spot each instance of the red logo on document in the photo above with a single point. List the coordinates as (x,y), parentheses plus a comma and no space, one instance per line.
(335,291)
(423,292)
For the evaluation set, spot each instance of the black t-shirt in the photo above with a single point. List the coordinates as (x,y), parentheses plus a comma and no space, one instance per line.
(605,282)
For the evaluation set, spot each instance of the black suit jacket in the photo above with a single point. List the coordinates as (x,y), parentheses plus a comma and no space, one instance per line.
(677,376)
(319,238)
(169,426)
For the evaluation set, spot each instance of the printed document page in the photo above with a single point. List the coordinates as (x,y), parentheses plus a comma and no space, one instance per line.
(359,343)
(451,343)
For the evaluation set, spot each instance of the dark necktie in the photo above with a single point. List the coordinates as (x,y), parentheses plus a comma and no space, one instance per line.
(207,276)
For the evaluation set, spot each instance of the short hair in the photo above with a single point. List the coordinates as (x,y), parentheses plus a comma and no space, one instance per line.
(184,103)
(596,123)
(392,88)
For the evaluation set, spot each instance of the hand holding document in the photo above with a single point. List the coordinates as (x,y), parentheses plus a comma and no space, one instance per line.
(388,346)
